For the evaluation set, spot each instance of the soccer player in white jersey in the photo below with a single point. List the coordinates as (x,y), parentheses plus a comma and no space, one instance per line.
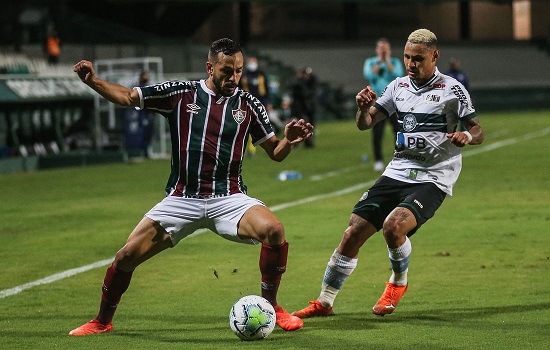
(210,121)
(424,168)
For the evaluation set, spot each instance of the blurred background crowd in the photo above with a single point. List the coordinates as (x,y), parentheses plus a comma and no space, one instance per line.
(310,55)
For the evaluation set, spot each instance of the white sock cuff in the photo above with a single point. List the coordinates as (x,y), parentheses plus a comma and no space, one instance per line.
(342,261)
(402,251)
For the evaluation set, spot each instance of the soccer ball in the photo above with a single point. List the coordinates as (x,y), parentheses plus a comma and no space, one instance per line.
(252,318)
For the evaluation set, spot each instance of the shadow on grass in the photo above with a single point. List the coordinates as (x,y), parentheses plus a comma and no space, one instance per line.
(432,315)
(352,321)
(208,331)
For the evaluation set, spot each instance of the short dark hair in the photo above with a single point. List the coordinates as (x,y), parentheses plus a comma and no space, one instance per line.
(383,40)
(225,45)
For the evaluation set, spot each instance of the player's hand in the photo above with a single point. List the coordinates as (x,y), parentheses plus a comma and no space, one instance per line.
(459,138)
(365,98)
(298,131)
(85,70)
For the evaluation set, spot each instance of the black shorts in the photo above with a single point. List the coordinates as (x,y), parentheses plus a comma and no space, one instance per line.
(423,199)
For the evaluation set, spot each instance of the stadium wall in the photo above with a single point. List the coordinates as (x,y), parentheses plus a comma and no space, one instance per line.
(503,75)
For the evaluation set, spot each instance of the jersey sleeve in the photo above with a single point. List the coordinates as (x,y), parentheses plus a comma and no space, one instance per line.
(260,126)
(165,96)
(465,108)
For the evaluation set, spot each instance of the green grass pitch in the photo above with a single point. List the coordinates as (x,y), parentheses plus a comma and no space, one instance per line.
(478,279)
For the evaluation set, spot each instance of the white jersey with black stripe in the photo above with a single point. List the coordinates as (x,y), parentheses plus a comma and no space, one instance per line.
(426,113)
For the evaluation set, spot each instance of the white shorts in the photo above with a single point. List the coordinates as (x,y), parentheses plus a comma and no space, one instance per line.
(181,216)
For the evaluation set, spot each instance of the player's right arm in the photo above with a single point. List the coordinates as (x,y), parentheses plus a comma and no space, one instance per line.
(114,93)
(367,115)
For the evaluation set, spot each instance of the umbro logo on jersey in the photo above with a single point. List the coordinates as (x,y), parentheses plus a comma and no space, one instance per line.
(239,115)
(193,108)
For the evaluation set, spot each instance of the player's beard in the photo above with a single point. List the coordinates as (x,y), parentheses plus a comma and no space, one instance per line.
(413,74)
(416,77)
(226,89)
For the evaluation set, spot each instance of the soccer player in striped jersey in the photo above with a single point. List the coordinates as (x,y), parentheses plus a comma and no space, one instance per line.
(425,166)
(210,121)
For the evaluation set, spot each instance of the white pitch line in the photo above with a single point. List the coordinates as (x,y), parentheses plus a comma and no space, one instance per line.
(68,273)
(363,185)
(58,276)
(336,172)
(506,142)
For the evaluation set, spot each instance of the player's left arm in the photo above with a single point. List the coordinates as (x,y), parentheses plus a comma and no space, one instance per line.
(295,132)
(473,136)
(113,92)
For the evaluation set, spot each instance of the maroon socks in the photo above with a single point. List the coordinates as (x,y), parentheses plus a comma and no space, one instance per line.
(116,282)
(272,266)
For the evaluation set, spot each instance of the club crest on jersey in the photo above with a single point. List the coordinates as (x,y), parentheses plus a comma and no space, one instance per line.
(239,115)
(409,122)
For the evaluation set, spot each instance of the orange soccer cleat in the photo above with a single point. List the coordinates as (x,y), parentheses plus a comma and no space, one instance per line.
(389,299)
(315,308)
(92,327)
(286,321)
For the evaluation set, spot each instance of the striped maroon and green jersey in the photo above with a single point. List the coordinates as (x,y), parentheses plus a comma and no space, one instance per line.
(208,134)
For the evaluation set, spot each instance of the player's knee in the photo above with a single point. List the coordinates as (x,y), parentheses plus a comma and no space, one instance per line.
(394,229)
(355,236)
(273,233)
(126,259)
(351,234)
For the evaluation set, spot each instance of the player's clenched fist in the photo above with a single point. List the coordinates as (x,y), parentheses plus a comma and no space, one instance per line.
(460,138)
(85,70)
(365,98)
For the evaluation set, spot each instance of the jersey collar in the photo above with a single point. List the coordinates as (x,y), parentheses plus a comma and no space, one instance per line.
(212,93)
(428,83)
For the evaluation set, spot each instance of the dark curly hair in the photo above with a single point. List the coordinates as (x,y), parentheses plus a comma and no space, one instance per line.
(225,45)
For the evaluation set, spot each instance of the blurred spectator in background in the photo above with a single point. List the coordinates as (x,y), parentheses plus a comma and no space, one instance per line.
(147,119)
(456,72)
(254,81)
(333,100)
(139,126)
(304,93)
(380,70)
(52,47)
